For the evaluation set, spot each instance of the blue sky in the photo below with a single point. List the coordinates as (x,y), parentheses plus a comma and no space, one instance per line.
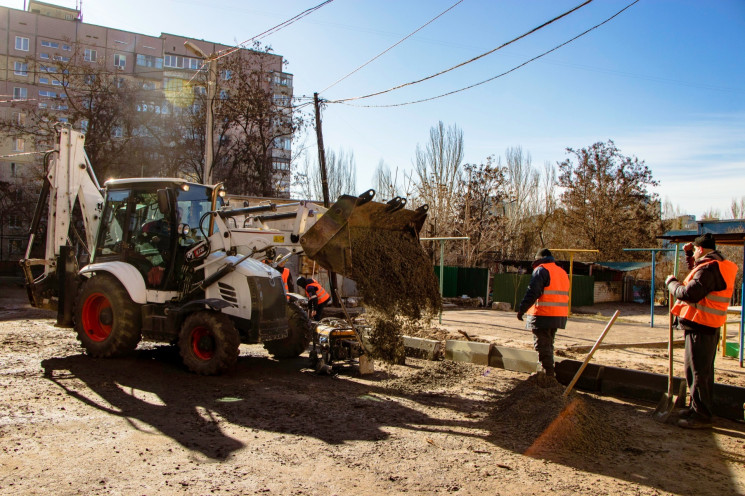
(664,79)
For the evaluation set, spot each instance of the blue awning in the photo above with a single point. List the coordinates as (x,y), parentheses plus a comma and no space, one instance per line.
(624,266)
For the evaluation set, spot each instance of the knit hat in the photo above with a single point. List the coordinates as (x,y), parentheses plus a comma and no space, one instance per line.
(705,241)
(302,282)
(545,252)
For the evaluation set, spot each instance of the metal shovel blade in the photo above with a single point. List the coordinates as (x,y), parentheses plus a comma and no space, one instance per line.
(669,401)
(330,239)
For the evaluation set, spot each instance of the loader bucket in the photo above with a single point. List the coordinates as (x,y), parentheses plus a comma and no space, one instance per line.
(330,240)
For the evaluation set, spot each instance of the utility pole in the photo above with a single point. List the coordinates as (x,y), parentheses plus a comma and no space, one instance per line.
(321,153)
(324,185)
(211,90)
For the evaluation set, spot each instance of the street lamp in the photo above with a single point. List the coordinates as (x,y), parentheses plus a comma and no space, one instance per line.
(211,87)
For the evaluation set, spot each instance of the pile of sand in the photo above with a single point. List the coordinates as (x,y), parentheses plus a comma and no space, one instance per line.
(545,424)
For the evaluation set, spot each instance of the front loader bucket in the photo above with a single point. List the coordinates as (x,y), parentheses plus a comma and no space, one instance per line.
(330,240)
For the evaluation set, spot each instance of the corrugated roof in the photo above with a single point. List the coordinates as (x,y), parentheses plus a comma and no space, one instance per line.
(624,266)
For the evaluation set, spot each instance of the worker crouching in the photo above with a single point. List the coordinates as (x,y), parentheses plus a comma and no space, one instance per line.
(317,297)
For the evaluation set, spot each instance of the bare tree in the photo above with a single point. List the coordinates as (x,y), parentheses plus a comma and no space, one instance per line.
(522,205)
(438,176)
(737,208)
(341,171)
(480,214)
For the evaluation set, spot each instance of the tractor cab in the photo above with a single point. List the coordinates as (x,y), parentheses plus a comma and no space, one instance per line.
(151,223)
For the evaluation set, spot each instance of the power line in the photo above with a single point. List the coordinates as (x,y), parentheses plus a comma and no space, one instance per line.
(274,29)
(499,75)
(587,2)
(394,45)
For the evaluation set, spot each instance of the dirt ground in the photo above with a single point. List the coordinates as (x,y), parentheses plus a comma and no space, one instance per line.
(143,425)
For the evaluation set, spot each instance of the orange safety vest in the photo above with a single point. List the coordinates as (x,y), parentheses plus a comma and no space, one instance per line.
(711,311)
(323,296)
(285,277)
(554,302)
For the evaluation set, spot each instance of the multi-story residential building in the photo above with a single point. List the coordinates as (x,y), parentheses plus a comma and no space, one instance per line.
(46,33)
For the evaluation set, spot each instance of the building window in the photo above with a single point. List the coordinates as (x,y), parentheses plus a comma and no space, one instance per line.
(46,68)
(14,220)
(282,143)
(120,61)
(49,44)
(18,145)
(42,105)
(20,69)
(66,47)
(20,93)
(22,43)
(149,61)
(174,61)
(61,58)
(63,119)
(281,165)
(224,95)
(19,118)
(195,64)
(48,94)
(43,55)
(55,82)
(13,171)
(226,75)
(89,55)
(117,132)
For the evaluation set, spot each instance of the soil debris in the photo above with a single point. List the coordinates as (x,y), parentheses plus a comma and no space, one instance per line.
(443,375)
(397,284)
(547,424)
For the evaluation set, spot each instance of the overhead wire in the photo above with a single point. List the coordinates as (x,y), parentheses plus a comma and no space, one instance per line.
(499,75)
(537,28)
(274,29)
(393,46)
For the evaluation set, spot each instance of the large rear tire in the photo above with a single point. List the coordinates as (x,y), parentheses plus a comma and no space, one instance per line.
(298,334)
(209,343)
(107,321)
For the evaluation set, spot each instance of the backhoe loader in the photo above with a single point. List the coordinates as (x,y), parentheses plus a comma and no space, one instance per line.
(163,259)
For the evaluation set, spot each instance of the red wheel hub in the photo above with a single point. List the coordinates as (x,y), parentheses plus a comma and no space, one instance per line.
(202,342)
(97,317)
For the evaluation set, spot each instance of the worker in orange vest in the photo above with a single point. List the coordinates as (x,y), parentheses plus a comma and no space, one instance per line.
(703,298)
(546,303)
(317,296)
(279,265)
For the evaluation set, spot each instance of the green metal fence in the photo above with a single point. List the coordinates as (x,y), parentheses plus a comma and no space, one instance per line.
(511,288)
(459,281)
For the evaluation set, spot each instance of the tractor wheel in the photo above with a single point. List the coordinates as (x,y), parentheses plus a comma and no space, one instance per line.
(298,334)
(208,343)
(107,321)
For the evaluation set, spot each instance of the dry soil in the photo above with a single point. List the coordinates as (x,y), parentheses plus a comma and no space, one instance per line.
(143,425)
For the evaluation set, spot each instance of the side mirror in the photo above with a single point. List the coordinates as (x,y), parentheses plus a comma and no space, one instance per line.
(164,201)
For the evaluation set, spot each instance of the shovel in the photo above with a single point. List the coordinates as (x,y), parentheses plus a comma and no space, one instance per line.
(668,401)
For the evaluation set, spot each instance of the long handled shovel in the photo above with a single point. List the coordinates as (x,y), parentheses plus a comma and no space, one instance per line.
(589,355)
(668,401)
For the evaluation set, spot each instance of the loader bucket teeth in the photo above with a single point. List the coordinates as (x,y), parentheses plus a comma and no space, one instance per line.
(330,240)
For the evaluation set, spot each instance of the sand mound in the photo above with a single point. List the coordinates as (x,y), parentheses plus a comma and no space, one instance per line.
(546,424)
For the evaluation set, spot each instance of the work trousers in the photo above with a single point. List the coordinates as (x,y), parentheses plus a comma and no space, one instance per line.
(701,350)
(543,343)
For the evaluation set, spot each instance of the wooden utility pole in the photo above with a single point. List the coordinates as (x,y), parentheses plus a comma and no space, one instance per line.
(321,153)
(324,186)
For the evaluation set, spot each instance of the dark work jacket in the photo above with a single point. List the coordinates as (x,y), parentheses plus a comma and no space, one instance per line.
(704,281)
(539,280)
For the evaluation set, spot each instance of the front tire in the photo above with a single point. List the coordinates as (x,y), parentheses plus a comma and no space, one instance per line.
(209,342)
(298,334)
(107,321)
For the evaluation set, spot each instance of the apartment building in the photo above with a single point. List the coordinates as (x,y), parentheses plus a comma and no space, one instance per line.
(50,33)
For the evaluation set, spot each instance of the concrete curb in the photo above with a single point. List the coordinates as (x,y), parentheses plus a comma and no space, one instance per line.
(677,343)
(428,349)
